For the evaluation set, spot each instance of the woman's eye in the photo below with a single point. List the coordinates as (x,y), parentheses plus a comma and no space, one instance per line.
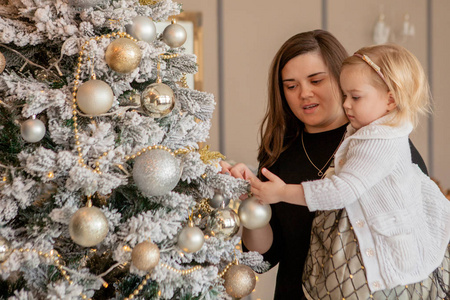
(355,97)
(316,81)
(290,87)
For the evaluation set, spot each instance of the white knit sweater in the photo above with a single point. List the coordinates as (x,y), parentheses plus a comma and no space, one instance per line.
(398,214)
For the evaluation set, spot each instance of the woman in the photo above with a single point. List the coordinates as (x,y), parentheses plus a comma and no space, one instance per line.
(301,131)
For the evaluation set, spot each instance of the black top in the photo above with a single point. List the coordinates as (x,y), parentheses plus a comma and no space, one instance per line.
(291,224)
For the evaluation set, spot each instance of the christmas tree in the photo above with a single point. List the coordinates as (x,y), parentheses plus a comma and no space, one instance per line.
(105,192)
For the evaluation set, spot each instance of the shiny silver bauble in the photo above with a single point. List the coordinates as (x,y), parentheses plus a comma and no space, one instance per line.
(142,28)
(85,3)
(191,239)
(253,214)
(240,281)
(223,223)
(157,100)
(156,172)
(32,130)
(5,249)
(123,55)
(88,226)
(174,35)
(95,97)
(145,256)
(219,200)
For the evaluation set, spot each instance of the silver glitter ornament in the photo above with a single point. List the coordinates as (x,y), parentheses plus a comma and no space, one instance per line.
(5,249)
(145,256)
(85,3)
(156,172)
(223,223)
(142,29)
(218,200)
(95,97)
(157,100)
(32,130)
(88,226)
(191,238)
(240,281)
(174,35)
(123,55)
(253,214)
(2,62)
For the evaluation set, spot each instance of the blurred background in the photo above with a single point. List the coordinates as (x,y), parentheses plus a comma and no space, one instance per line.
(237,39)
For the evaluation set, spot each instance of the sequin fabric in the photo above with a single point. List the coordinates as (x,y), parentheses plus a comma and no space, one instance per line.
(334,268)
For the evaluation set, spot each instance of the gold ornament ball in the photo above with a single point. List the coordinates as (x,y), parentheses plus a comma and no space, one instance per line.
(88,226)
(157,100)
(123,55)
(95,97)
(145,256)
(2,62)
(240,281)
(5,249)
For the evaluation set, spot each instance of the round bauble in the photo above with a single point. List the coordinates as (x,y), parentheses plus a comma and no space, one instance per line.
(5,249)
(253,214)
(95,97)
(123,55)
(219,200)
(88,226)
(2,62)
(223,223)
(32,130)
(142,29)
(156,172)
(85,3)
(145,256)
(240,281)
(174,35)
(157,100)
(191,239)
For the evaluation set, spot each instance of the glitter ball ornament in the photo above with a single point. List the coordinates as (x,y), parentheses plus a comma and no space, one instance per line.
(174,35)
(95,97)
(240,281)
(253,214)
(156,172)
(145,256)
(2,62)
(123,55)
(32,130)
(88,226)
(157,100)
(142,29)
(218,200)
(191,238)
(223,223)
(5,249)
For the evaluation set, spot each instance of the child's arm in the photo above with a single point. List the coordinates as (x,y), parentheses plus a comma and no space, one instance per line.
(275,190)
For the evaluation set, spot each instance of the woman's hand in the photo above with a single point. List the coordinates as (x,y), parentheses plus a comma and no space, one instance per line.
(239,170)
(275,190)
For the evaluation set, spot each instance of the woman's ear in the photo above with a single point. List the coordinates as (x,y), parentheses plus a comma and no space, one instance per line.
(391,105)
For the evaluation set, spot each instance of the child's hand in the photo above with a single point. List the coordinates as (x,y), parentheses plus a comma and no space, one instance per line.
(271,191)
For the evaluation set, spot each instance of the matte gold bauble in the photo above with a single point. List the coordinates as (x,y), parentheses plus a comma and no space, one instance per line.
(88,226)
(123,55)
(95,97)
(240,281)
(142,28)
(5,249)
(174,35)
(253,214)
(191,239)
(2,62)
(145,256)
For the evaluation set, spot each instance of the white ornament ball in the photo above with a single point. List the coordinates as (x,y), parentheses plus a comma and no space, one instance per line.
(142,29)
(157,100)
(240,281)
(223,223)
(191,239)
(88,226)
(123,55)
(145,256)
(95,97)
(32,130)
(253,214)
(174,35)
(156,172)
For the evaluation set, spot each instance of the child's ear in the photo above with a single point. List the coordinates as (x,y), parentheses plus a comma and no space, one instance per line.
(391,102)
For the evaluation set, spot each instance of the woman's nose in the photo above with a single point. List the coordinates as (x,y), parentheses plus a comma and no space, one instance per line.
(306,93)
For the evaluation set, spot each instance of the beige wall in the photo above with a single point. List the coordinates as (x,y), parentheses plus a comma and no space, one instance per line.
(254,30)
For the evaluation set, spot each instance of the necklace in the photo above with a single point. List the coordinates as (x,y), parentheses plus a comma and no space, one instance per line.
(320,173)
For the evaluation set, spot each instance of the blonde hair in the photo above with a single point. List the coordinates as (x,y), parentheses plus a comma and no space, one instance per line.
(404,77)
